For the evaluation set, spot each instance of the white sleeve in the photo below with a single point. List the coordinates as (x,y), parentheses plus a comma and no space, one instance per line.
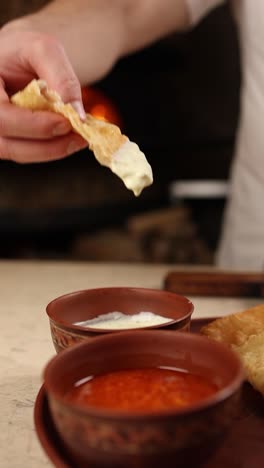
(199,8)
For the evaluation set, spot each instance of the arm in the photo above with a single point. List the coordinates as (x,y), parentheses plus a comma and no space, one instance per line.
(96,33)
(66,43)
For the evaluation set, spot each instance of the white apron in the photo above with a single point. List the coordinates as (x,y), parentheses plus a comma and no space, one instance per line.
(242,241)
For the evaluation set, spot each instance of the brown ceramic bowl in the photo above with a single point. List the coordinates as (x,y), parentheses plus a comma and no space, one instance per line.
(101,437)
(84,305)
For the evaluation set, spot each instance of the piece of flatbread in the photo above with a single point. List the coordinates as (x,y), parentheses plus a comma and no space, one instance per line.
(244,333)
(252,356)
(110,147)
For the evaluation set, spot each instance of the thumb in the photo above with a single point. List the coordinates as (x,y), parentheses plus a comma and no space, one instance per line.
(78,106)
(48,58)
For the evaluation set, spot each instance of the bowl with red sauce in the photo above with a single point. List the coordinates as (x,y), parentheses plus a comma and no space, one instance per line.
(143,399)
(71,316)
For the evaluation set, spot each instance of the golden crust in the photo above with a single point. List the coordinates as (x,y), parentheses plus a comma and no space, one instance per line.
(236,328)
(252,356)
(103,138)
(244,333)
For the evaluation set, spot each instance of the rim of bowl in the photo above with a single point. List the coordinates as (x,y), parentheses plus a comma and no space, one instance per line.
(118,288)
(219,396)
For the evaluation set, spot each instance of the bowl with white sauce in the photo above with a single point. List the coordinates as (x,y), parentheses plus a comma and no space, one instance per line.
(85,314)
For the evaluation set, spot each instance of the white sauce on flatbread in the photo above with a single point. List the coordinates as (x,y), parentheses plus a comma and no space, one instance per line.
(131,165)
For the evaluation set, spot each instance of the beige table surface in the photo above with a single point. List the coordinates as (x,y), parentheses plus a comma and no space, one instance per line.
(25,344)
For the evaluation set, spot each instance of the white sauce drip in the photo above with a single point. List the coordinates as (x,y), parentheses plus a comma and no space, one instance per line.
(131,165)
(118,320)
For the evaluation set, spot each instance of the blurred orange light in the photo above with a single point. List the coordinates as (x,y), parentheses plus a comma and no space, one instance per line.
(102,112)
(100,106)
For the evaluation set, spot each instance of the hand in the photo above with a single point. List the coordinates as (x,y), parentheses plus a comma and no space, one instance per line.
(27,136)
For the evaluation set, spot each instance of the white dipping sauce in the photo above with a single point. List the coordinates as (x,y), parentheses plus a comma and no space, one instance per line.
(131,165)
(119,321)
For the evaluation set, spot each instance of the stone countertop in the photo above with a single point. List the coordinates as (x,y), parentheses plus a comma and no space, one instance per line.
(25,344)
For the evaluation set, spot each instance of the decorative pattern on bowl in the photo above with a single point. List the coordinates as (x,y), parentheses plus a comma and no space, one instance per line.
(78,306)
(64,338)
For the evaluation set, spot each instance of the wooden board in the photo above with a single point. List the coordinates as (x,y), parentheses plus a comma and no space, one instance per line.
(223,284)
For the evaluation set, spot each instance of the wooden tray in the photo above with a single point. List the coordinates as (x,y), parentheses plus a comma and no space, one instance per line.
(243,447)
(223,284)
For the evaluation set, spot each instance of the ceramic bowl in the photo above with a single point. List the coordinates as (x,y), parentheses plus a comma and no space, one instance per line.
(108,438)
(79,306)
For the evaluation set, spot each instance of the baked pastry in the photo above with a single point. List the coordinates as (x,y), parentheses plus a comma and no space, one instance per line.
(110,147)
(252,356)
(244,333)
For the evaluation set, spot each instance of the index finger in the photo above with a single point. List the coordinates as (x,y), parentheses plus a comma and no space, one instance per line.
(3,95)
(17,122)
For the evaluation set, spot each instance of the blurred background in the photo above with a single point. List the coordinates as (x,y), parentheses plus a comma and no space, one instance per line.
(179,101)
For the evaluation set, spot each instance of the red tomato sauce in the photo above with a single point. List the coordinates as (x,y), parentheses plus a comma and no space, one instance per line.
(145,390)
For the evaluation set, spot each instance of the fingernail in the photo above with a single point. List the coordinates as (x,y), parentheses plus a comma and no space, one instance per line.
(74,147)
(61,129)
(78,106)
